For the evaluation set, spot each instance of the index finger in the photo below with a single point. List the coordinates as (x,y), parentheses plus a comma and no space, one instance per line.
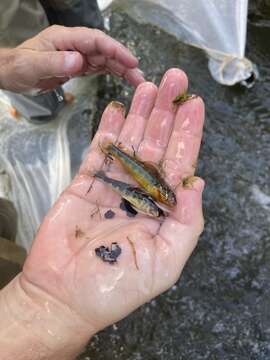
(109,129)
(89,42)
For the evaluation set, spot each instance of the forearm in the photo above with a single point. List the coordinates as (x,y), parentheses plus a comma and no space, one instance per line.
(35,326)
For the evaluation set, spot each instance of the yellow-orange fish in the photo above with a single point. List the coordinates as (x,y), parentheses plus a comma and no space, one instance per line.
(135,196)
(146,175)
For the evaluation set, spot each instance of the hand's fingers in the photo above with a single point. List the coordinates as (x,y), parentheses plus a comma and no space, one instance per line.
(134,76)
(89,42)
(133,129)
(178,235)
(48,64)
(100,63)
(187,216)
(140,110)
(159,127)
(29,67)
(188,211)
(110,126)
(115,50)
(184,145)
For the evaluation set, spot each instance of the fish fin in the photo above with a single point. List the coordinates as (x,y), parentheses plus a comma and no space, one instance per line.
(129,207)
(100,174)
(127,150)
(153,169)
(103,148)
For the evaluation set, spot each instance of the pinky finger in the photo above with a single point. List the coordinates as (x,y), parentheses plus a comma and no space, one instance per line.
(185,224)
(109,129)
(189,204)
(178,236)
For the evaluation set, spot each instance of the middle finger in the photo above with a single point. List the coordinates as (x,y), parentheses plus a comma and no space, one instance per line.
(160,123)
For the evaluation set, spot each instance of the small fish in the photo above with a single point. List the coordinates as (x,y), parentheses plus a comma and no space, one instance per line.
(135,196)
(182,98)
(146,175)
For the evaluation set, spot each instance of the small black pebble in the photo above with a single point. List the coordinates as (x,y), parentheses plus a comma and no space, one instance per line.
(101,251)
(107,255)
(116,250)
(109,258)
(109,214)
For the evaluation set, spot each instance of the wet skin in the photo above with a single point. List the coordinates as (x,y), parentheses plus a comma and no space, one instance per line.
(65,266)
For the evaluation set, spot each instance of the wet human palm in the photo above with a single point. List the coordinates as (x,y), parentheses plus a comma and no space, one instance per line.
(63,262)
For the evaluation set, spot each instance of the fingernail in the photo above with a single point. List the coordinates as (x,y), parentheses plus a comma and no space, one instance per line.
(118,106)
(71,59)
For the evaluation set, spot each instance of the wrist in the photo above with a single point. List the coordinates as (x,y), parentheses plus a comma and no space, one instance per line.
(34,323)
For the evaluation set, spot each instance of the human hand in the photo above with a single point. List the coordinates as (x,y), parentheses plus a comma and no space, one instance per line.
(65,293)
(62,262)
(59,53)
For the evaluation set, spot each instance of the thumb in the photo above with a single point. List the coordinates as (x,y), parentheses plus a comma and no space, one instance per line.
(49,64)
(23,68)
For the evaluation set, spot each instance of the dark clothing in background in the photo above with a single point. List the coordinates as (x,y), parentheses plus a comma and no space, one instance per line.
(23,19)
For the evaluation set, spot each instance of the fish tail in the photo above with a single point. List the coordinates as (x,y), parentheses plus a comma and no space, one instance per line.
(116,185)
(100,174)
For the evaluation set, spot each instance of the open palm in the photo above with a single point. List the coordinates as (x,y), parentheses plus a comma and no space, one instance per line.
(63,262)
